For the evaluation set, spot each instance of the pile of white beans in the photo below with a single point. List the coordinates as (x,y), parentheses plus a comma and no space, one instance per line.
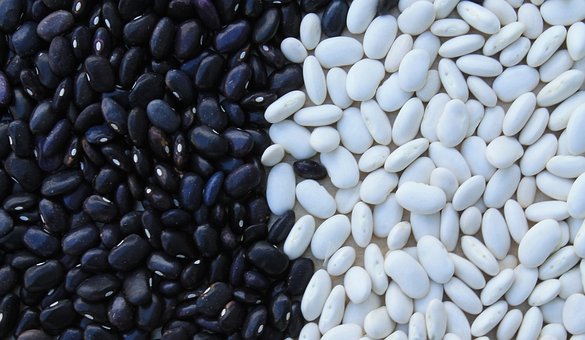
(453,135)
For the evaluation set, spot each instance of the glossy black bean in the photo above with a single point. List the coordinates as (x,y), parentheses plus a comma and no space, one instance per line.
(334,17)
(148,87)
(21,106)
(129,9)
(259,73)
(209,72)
(175,218)
(161,40)
(73,278)
(227,9)
(258,211)
(236,81)
(208,142)
(61,57)
(81,42)
(148,316)
(99,74)
(254,323)
(138,31)
(232,36)
(131,65)
(107,180)
(34,334)
(129,253)
(55,24)
(256,280)
(98,287)
(43,276)
(219,268)
(32,85)
(6,94)
(95,261)
(300,273)
(386,6)
(112,19)
(138,126)
(266,26)
(40,243)
(267,258)
(215,297)
(234,112)
(281,227)
(309,169)
(13,240)
(164,265)
(100,209)
(242,180)
(91,311)
(206,240)
(271,55)
(311,6)
(252,8)
(57,316)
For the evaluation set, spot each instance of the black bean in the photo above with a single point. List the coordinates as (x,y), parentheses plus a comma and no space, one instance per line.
(6,94)
(242,180)
(24,171)
(161,40)
(310,6)
(61,183)
(271,55)
(23,260)
(279,312)
(28,319)
(148,315)
(148,87)
(207,141)
(266,26)
(129,253)
(121,313)
(385,6)
(32,85)
(209,71)
(61,57)
(254,323)
(256,280)
(131,65)
(10,13)
(267,258)
(334,17)
(232,37)
(138,31)
(253,233)
(129,9)
(40,242)
(227,9)
(236,81)
(188,39)
(71,333)
(164,265)
(25,40)
(235,113)
(215,297)
(137,289)
(43,276)
(55,24)
(163,116)
(210,113)
(99,74)
(57,316)
(259,73)
(180,85)
(207,13)
(310,169)
(193,274)
(281,227)
(6,223)
(95,332)
(98,287)
(95,260)
(115,115)
(91,311)
(34,334)
(252,8)
(58,138)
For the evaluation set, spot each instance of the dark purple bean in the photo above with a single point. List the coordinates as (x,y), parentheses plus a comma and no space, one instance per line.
(129,253)
(99,74)
(163,116)
(121,313)
(236,81)
(188,39)
(95,261)
(98,287)
(148,87)
(41,243)
(25,40)
(57,316)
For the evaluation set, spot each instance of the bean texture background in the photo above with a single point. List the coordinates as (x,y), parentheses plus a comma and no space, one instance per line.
(132,191)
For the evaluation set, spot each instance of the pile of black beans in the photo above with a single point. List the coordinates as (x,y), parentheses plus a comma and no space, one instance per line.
(132,196)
